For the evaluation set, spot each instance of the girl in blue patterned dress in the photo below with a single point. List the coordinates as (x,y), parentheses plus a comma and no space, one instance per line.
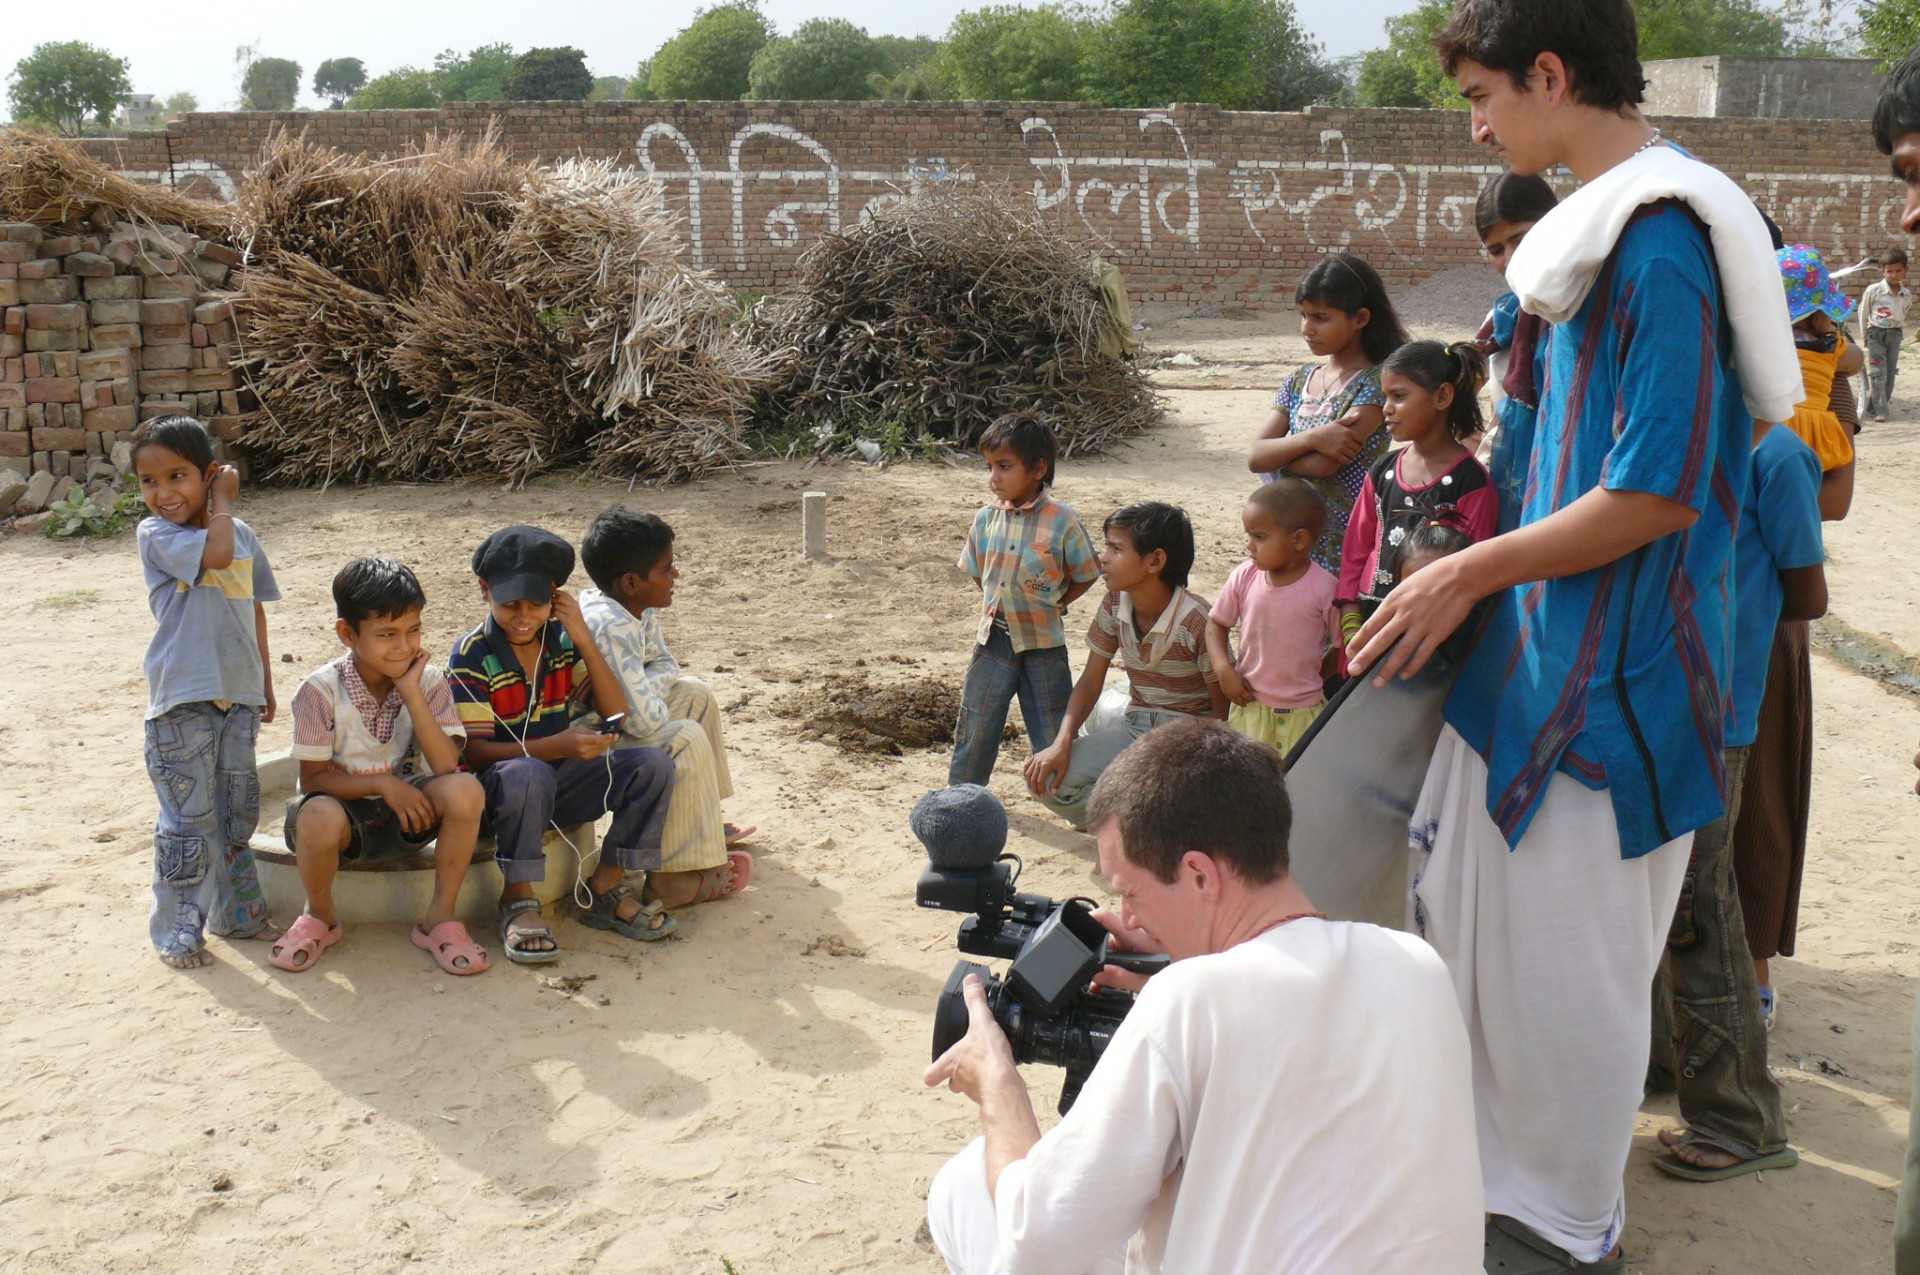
(1326,421)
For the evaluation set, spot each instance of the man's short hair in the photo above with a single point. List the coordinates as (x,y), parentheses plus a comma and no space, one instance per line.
(1026,437)
(1294,503)
(1897,113)
(1154,524)
(370,587)
(1894,257)
(1598,40)
(1198,784)
(622,540)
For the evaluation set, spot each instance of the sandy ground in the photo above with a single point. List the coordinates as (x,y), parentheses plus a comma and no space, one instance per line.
(747,1093)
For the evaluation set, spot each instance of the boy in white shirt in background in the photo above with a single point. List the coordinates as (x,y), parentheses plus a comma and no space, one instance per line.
(629,555)
(1883,325)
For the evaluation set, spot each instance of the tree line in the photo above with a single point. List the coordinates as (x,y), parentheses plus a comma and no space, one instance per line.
(1238,54)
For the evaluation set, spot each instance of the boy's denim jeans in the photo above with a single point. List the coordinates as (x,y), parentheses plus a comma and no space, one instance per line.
(1883,365)
(200,759)
(1042,679)
(1706,1004)
(525,795)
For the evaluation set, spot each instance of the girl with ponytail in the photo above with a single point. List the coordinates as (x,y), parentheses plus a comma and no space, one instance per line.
(1432,394)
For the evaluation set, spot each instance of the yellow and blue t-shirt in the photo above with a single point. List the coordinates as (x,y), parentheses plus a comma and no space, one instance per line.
(205,646)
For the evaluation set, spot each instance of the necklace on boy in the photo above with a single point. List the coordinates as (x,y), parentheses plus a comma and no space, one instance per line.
(1649,144)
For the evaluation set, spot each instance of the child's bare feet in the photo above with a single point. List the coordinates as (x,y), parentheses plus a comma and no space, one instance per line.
(187,960)
(265,934)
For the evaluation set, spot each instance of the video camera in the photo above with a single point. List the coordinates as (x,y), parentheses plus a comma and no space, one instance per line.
(1055,948)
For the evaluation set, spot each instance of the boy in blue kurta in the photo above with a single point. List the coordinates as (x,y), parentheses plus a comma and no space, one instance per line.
(1584,735)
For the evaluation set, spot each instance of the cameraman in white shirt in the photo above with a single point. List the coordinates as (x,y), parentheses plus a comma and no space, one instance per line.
(1291,1095)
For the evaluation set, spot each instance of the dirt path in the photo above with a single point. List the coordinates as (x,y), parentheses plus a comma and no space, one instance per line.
(748,1091)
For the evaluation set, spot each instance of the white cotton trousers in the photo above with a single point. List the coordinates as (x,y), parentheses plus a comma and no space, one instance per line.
(960,1218)
(1552,947)
(695,834)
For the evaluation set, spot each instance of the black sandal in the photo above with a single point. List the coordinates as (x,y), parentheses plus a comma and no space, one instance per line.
(512,937)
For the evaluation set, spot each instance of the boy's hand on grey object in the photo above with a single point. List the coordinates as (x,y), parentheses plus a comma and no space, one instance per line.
(1916,783)
(224,480)
(409,804)
(1045,768)
(586,743)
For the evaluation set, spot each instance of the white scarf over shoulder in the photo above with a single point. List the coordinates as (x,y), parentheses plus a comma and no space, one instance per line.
(1557,262)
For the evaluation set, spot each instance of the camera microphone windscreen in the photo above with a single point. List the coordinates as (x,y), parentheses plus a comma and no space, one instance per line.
(964,828)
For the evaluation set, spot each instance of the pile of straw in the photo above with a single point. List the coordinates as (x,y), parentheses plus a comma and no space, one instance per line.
(48,182)
(451,312)
(942,313)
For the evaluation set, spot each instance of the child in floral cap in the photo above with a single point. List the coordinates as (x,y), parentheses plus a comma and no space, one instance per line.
(1818,309)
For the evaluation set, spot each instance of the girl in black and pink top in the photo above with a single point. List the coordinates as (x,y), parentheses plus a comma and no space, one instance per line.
(1432,394)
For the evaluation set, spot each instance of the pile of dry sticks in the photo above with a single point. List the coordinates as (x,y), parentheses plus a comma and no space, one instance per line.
(938,315)
(453,312)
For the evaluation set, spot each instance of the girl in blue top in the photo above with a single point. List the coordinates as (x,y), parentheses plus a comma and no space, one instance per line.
(1327,418)
(209,688)
(1504,213)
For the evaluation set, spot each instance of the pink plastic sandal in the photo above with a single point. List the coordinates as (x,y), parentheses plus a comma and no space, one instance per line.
(299,948)
(448,943)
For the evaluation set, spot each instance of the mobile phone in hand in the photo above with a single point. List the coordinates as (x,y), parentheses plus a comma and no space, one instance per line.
(612,725)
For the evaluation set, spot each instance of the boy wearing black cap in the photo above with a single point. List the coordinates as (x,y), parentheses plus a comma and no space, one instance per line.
(519,680)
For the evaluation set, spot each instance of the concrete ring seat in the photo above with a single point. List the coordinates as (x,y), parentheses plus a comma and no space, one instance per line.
(397,889)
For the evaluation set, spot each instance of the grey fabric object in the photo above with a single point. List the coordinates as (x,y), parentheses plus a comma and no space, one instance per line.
(962,827)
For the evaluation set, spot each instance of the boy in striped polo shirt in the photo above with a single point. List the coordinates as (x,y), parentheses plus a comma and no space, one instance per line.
(1032,558)
(1158,630)
(519,682)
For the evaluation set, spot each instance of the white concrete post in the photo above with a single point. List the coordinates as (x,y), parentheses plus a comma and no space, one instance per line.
(813,524)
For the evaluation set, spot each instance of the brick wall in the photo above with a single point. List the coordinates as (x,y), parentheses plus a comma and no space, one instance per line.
(101,331)
(1194,203)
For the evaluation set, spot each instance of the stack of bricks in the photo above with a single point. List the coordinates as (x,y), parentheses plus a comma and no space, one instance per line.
(102,331)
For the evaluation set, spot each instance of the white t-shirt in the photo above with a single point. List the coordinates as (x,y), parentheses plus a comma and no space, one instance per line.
(1301,1103)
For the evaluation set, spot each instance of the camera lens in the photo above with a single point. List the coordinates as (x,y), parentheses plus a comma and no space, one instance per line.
(950,1017)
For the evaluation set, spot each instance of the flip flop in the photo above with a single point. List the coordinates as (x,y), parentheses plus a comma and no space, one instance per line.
(1514,1248)
(722,881)
(512,936)
(300,947)
(1673,1166)
(648,925)
(449,941)
(735,834)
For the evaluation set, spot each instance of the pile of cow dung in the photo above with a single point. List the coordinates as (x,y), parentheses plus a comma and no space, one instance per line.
(859,715)
(937,315)
(453,312)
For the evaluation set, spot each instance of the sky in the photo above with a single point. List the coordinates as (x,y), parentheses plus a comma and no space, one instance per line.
(168,56)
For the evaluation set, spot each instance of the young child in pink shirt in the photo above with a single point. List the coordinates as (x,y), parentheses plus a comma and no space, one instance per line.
(1282,602)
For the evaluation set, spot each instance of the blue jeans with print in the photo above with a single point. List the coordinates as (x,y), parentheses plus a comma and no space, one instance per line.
(200,760)
(1043,680)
